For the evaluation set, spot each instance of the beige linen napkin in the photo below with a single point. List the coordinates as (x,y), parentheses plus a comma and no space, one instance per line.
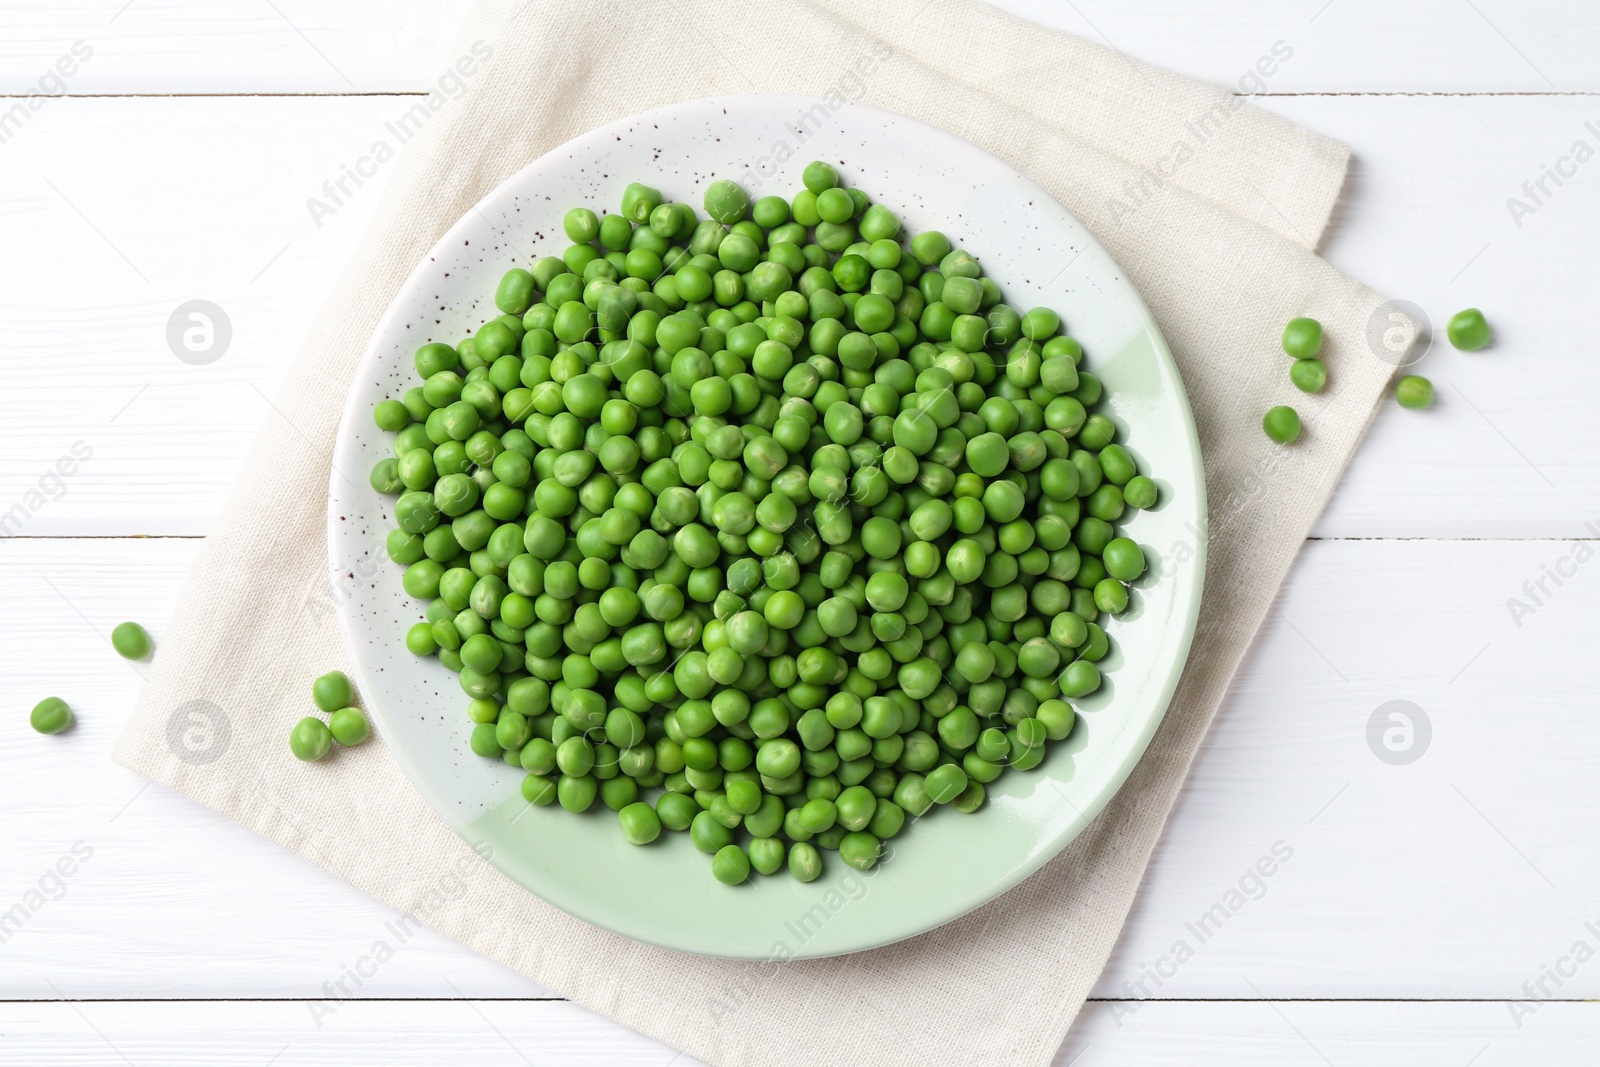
(1211,205)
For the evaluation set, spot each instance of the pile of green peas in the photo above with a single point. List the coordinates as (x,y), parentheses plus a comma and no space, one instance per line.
(778,527)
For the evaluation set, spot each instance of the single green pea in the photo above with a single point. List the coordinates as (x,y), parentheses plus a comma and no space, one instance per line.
(1080,678)
(577,794)
(766,855)
(581,225)
(676,811)
(640,823)
(1282,424)
(131,641)
(708,835)
(1414,391)
(860,850)
(1468,330)
(1302,338)
(817,177)
(50,716)
(349,726)
(972,797)
(944,784)
(1140,492)
(1111,596)
(332,691)
(805,862)
(391,415)
(539,790)
(1123,559)
(310,740)
(1308,375)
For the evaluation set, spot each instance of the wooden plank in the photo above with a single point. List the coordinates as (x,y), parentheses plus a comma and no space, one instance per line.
(1329,1034)
(249,1033)
(1480,853)
(106,240)
(232,46)
(361,45)
(347,1033)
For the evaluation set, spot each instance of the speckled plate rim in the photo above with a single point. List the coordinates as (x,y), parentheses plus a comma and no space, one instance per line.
(356,566)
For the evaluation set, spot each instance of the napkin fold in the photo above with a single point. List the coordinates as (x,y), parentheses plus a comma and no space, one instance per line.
(1213,207)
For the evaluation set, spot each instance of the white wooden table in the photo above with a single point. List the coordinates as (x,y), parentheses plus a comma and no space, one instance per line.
(1441,912)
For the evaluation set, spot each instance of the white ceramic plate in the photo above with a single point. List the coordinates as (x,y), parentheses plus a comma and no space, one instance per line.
(942,866)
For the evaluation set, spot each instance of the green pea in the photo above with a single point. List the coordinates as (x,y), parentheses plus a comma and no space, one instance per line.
(944,784)
(1308,375)
(50,716)
(1468,331)
(539,790)
(805,862)
(1140,492)
(1282,424)
(676,811)
(708,835)
(1414,391)
(310,740)
(766,855)
(1111,596)
(577,794)
(1123,559)
(130,640)
(640,823)
(1302,338)
(860,850)
(349,726)
(1080,678)
(332,691)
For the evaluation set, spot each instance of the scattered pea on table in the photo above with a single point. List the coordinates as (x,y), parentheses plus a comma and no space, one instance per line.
(131,640)
(50,716)
(1468,330)
(1414,391)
